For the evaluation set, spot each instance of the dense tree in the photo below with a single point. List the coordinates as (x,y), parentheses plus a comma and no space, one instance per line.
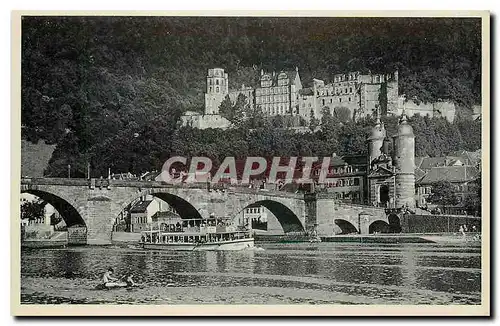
(472,202)
(313,121)
(226,108)
(33,210)
(342,114)
(240,110)
(55,219)
(443,194)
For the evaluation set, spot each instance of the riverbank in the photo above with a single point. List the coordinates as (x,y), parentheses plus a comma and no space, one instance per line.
(440,238)
(44,243)
(56,240)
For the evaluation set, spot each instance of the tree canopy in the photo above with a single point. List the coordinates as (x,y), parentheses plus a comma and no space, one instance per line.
(443,193)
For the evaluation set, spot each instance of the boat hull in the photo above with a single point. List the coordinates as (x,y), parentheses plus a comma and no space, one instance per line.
(239,244)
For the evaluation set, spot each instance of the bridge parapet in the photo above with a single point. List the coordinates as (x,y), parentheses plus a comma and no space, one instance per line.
(265,192)
(153,184)
(55,181)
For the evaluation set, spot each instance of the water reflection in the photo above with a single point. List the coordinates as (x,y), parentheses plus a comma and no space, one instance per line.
(281,273)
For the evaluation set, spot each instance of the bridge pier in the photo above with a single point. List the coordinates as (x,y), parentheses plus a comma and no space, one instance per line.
(99,220)
(319,213)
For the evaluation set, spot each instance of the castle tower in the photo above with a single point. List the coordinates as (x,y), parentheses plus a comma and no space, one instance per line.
(404,161)
(376,140)
(217,89)
(392,93)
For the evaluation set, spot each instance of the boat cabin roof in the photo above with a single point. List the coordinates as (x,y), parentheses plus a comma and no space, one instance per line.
(188,234)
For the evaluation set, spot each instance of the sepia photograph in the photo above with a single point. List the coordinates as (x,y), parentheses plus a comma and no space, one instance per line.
(304,161)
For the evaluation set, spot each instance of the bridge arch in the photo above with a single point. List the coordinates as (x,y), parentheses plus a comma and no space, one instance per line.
(345,226)
(70,214)
(181,205)
(379,226)
(77,228)
(394,223)
(288,220)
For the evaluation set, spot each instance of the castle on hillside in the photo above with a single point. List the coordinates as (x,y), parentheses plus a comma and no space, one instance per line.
(282,93)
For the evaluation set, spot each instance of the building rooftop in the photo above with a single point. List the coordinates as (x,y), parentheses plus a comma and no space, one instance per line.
(291,74)
(140,207)
(449,173)
(419,173)
(427,163)
(356,159)
(470,158)
(165,215)
(306,91)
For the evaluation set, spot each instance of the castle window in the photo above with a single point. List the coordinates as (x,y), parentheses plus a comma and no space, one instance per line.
(356,181)
(349,99)
(340,99)
(331,100)
(350,89)
(217,89)
(211,82)
(346,89)
(210,88)
(323,101)
(216,82)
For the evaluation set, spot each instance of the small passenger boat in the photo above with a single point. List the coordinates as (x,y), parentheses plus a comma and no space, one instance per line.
(197,234)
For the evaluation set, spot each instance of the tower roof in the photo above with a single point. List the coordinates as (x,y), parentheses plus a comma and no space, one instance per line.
(404,128)
(378,131)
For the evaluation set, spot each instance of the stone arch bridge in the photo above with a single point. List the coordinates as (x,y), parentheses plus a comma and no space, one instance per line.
(96,203)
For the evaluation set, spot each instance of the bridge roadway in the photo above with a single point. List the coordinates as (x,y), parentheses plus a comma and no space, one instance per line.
(96,203)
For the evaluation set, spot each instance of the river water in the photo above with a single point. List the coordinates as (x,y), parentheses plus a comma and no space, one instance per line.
(300,273)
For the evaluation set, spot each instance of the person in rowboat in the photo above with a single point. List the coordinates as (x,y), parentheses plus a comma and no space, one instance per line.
(108,280)
(130,281)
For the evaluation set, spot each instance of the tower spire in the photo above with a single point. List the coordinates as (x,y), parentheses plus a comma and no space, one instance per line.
(377,116)
(404,118)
